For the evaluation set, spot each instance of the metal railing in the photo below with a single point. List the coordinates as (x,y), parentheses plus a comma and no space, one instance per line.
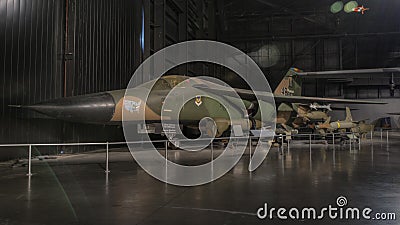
(250,138)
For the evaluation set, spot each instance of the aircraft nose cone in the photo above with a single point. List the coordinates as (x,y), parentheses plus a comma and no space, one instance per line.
(95,108)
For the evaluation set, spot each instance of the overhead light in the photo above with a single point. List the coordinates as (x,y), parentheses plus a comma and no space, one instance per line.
(350,6)
(337,7)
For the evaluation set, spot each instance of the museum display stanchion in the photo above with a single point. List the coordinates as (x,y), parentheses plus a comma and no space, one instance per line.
(251,143)
(350,140)
(166,161)
(387,136)
(212,159)
(107,157)
(30,161)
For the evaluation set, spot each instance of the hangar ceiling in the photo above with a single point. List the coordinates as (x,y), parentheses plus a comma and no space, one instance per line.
(307,35)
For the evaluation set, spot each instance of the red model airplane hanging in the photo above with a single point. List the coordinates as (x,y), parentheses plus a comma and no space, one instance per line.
(360,9)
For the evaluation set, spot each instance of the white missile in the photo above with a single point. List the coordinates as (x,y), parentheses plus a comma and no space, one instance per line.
(316,106)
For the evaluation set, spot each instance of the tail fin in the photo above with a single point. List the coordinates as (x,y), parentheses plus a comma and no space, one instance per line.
(327,121)
(328,107)
(290,84)
(349,117)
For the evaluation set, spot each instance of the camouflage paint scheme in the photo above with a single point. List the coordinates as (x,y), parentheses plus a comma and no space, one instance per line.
(108,107)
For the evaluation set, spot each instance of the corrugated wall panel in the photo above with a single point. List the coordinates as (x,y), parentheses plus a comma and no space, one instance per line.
(29,30)
(55,48)
(99,56)
(104,45)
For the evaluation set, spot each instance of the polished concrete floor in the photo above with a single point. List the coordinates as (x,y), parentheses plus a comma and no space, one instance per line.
(75,190)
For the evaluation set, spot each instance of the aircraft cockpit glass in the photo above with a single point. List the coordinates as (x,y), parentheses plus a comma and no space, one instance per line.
(174,80)
(161,84)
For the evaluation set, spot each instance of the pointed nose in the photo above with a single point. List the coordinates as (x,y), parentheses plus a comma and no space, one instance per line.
(94,108)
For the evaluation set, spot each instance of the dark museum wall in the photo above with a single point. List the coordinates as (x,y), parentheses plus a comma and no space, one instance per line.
(306,35)
(56,48)
(31,61)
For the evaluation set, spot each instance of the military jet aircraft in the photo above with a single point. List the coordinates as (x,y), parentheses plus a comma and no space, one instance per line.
(108,107)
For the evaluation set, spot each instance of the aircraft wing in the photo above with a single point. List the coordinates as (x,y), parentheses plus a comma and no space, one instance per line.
(346,73)
(266,96)
(332,107)
(305,99)
(234,92)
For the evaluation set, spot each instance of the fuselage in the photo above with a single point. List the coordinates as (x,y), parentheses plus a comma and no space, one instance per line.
(146,102)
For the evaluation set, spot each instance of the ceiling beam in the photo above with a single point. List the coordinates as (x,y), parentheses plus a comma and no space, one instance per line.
(294,13)
(308,36)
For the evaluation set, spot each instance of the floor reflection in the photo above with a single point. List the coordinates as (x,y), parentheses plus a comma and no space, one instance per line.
(75,190)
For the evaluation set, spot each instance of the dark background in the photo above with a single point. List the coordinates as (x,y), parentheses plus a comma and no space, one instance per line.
(59,48)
